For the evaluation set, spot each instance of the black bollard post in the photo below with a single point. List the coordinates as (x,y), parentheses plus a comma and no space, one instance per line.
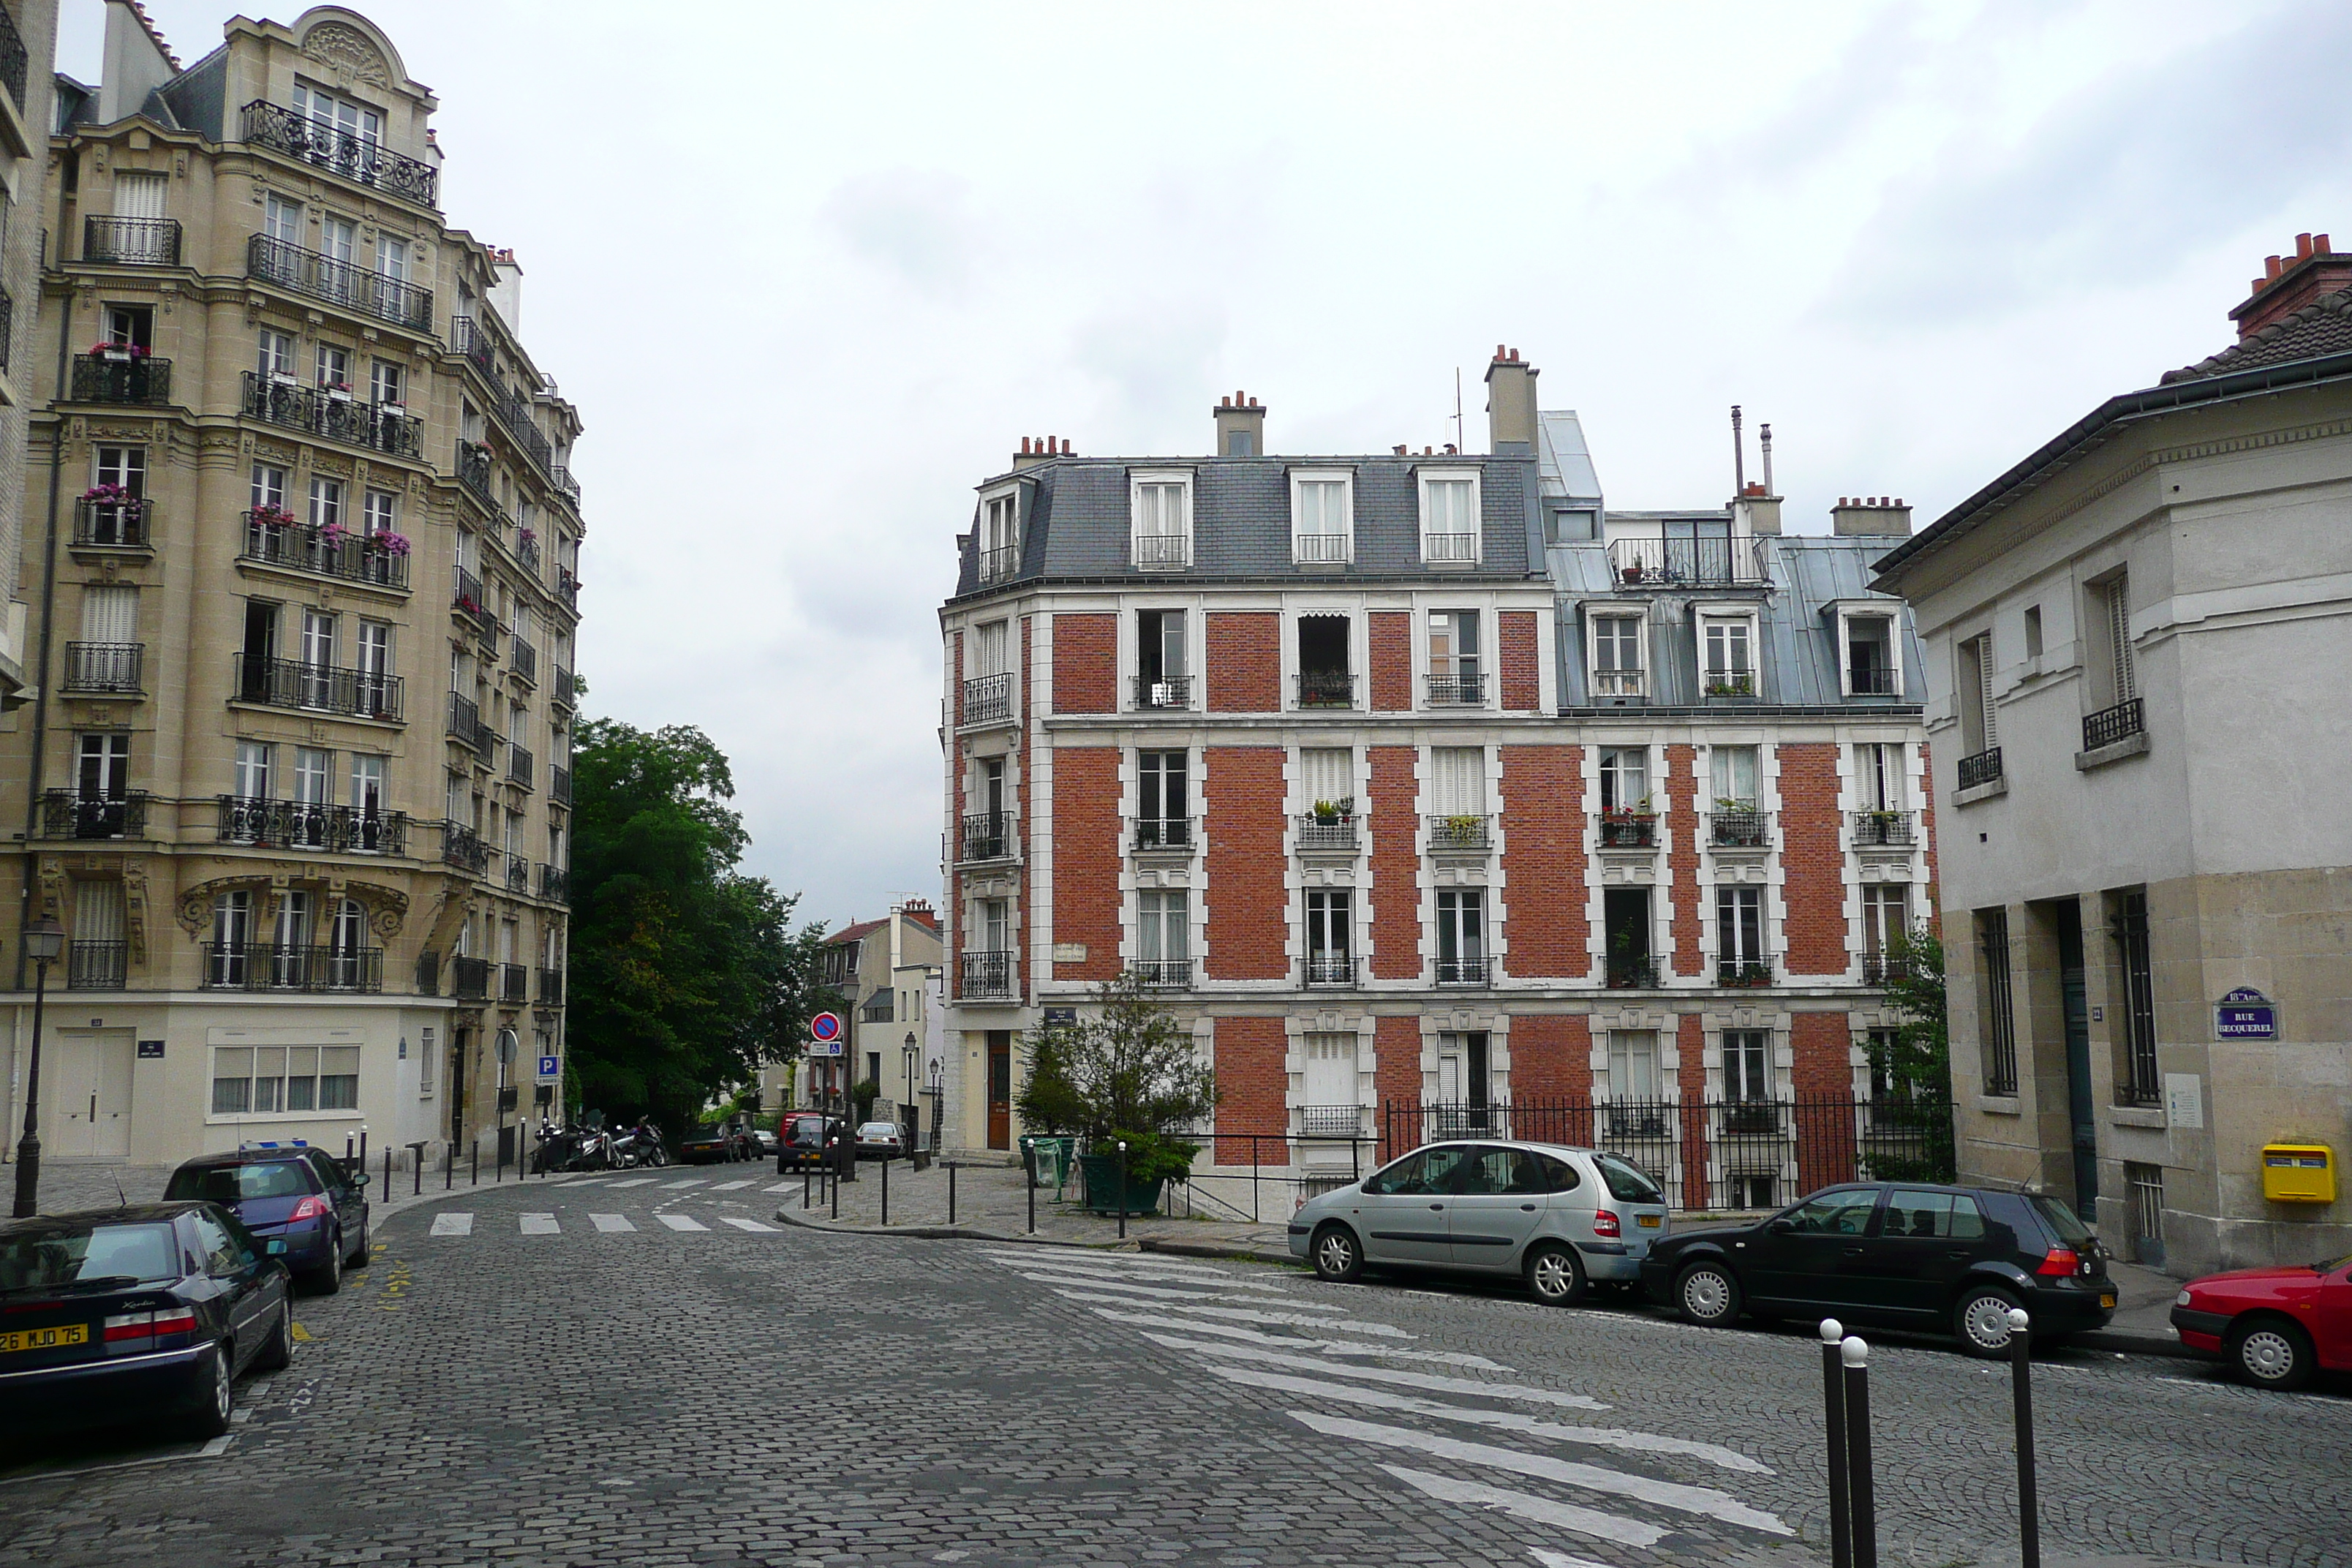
(386,1188)
(2028,1504)
(1864,1502)
(805,1188)
(1122,1189)
(1833,1408)
(448,1167)
(477,1177)
(349,1141)
(836,1178)
(417,1157)
(885,1189)
(951,1171)
(1029,1148)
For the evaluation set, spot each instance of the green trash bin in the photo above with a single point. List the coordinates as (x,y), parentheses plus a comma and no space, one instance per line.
(1052,1157)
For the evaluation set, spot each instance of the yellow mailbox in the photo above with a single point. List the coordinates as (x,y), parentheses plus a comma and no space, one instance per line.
(2298,1173)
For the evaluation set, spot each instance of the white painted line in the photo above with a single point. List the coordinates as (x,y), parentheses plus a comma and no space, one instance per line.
(540,1224)
(1147,1291)
(1290,1341)
(745,1223)
(610,1223)
(1245,1315)
(730,1186)
(681,1222)
(1429,1380)
(1705,1501)
(452,1225)
(1562,1560)
(681,1186)
(636,1181)
(211,1451)
(779,1188)
(1120,1277)
(1123,1263)
(1527,1505)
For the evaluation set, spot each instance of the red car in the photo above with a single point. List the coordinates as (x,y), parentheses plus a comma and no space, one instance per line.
(2278,1327)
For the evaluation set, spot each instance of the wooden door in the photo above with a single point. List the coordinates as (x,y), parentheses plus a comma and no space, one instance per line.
(1000,1089)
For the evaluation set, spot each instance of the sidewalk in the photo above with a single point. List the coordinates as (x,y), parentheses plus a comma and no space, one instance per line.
(2143,1320)
(89,1184)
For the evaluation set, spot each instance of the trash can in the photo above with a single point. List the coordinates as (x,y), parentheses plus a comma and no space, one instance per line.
(1051,1158)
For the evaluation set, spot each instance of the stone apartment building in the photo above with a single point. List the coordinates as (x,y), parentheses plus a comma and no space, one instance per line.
(884,975)
(28,43)
(2135,644)
(1436,795)
(304,609)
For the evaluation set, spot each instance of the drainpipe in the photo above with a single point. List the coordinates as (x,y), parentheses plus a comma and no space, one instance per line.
(49,624)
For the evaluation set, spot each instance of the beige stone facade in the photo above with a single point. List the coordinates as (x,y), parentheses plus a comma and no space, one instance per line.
(28,40)
(303,618)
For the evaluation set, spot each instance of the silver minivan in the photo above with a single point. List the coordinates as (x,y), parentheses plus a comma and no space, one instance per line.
(1559,1216)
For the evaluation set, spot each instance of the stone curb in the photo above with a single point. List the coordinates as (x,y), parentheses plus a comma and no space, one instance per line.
(936,1232)
(2135,1341)
(1214,1249)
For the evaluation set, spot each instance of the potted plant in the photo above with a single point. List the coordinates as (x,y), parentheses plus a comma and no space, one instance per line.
(1327,812)
(119,353)
(1742,684)
(1129,1076)
(340,391)
(1631,571)
(388,543)
(269,516)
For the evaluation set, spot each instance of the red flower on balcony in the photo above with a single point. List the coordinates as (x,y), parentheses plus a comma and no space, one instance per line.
(135,351)
(391,543)
(273,516)
(107,495)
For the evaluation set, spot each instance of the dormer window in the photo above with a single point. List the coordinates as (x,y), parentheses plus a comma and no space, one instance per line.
(1322,519)
(1000,537)
(1449,519)
(1163,508)
(1456,673)
(1616,665)
(1726,654)
(1867,654)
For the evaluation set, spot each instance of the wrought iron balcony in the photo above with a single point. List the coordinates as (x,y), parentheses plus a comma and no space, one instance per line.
(984,974)
(1739,829)
(551,987)
(1871,680)
(134,380)
(1163,833)
(69,813)
(559,786)
(1980,769)
(519,763)
(1743,972)
(1337,832)
(1330,969)
(526,549)
(463,847)
(1626,830)
(1728,685)
(2109,725)
(274,538)
(987,835)
(1322,549)
(473,468)
(1449,549)
(1461,689)
(299,825)
(513,414)
(466,726)
(1459,830)
(104,666)
(318,687)
(988,699)
(1326,689)
(111,524)
(518,874)
(1166,973)
(97,965)
(555,884)
(1330,1120)
(469,979)
(567,589)
(468,337)
(131,241)
(1163,552)
(560,475)
(1633,975)
(514,983)
(465,591)
(7,319)
(524,658)
(1462,972)
(1613,685)
(1880,969)
(14,58)
(562,689)
(1685,563)
(340,283)
(1881,827)
(361,159)
(1163,694)
(286,966)
(335,416)
(996,565)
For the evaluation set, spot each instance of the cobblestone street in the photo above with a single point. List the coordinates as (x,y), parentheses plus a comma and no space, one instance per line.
(657,1368)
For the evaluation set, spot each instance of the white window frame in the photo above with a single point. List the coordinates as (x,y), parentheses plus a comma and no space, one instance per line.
(1342,551)
(1449,555)
(1846,617)
(1593,673)
(1704,616)
(1159,556)
(1000,529)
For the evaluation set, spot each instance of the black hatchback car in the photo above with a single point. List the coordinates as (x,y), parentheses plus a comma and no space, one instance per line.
(302,1196)
(117,1316)
(1896,1256)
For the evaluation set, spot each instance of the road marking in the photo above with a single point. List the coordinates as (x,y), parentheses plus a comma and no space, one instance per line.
(1527,1505)
(540,1224)
(681,1222)
(452,1225)
(1246,1315)
(636,1181)
(681,1186)
(1429,1380)
(730,1186)
(1119,1278)
(610,1223)
(745,1223)
(1127,1262)
(1291,1342)
(1562,1560)
(1147,1291)
(779,1188)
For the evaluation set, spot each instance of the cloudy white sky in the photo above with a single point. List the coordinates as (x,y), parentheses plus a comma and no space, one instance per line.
(811,272)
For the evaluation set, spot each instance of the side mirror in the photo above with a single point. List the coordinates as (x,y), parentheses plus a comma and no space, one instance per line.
(359,1178)
(1783,1226)
(275,1246)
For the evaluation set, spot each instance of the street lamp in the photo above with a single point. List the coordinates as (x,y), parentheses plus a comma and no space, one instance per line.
(44,940)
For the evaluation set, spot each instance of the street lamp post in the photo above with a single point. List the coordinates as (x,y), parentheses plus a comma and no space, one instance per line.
(44,940)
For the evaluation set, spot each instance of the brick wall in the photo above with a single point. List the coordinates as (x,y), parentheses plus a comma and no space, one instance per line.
(955,677)
(1821,1048)
(1248,907)
(1551,1057)
(1516,642)
(1931,910)
(1684,825)
(1396,865)
(1546,925)
(1087,858)
(1811,860)
(1690,1076)
(1396,1078)
(1086,663)
(1388,636)
(1251,1080)
(1245,651)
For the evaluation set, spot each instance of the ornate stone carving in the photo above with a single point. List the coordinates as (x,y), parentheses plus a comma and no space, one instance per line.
(343,49)
(390,906)
(195,905)
(134,906)
(53,885)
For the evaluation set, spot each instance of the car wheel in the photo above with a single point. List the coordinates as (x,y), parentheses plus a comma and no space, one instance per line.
(1337,1255)
(1707,1293)
(278,1353)
(328,1277)
(1980,1321)
(2270,1353)
(211,1418)
(1555,1275)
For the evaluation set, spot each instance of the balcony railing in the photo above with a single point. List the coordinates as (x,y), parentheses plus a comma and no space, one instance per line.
(565,485)
(526,549)
(1881,827)
(987,835)
(318,687)
(1727,685)
(517,873)
(988,699)
(465,725)
(1459,830)
(525,660)
(519,763)
(1739,829)
(289,266)
(68,813)
(996,565)
(1163,550)
(281,966)
(514,983)
(1165,694)
(1980,769)
(1327,832)
(473,469)
(984,974)
(356,158)
(7,319)
(559,786)
(335,416)
(1633,975)
(131,241)
(275,539)
(1880,969)
(1612,684)
(1166,973)
(567,589)
(554,884)
(300,825)
(138,380)
(1327,689)
(469,979)
(2109,725)
(1462,689)
(14,58)
(513,414)
(551,987)
(463,847)
(1330,969)
(1330,1120)
(1462,972)
(1685,563)
(1322,549)
(474,341)
(563,687)
(1743,972)
(99,965)
(1626,830)
(104,666)
(111,524)
(1449,549)
(1163,833)
(1873,680)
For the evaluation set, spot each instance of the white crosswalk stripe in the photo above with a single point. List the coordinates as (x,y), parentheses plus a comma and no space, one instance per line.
(637,1182)
(1292,1342)
(540,1224)
(681,1186)
(1245,1314)
(779,1188)
(681,1222)
(730,1186)
(452,1225)
(611,1224)
(1528,1505)
(1429,1380)
(740,1223)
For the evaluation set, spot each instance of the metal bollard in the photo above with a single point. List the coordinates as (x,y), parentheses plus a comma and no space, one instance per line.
(477,1178)
(1029,1148)
(885,1194)
(1833,1408)
(1864,1502)
(805,1189)
(2028,1505)
(386,1188)
(836,1178)
(951,1171)
(448,1167)
(1122,1189)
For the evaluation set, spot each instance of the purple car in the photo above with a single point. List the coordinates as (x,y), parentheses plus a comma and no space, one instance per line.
(302,1196)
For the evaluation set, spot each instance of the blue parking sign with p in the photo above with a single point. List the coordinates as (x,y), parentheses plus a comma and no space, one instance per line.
(549,1069)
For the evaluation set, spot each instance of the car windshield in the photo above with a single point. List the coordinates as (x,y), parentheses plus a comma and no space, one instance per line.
(1627,1185)
(2062,1221)
(235,1183)
(51,1256)
(2331,1265)
(877,1130)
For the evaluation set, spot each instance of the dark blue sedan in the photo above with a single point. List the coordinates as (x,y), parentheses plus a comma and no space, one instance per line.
(301,1197)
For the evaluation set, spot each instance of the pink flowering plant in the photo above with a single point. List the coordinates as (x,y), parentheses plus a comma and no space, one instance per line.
(273,516)
(109,347)
(107,495)
(391,543)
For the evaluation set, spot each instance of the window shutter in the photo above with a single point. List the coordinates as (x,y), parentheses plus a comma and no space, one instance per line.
(97,911)
(140,195)
(2119,636)
(1458,778)
(109,614)
(1328,773)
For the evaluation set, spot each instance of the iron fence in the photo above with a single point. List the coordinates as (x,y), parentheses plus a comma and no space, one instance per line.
(2109,725)
(1881,827)
(355,157)
(1982,768)
(139,379)
(988,699)
(131,241)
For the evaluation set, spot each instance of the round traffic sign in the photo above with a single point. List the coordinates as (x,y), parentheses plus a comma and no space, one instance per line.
(825,1027)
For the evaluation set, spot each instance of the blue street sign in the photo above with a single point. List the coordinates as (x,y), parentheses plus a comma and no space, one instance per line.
(549,1069)
(2245,1014)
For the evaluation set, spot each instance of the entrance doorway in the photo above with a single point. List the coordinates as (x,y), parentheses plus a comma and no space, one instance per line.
(85,1096)
(1000,1089)
(2079,1113)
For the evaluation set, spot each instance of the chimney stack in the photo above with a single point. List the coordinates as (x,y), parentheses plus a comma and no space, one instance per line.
(1241,426)
(2288,284)
(1870,517)
(1036,449)
(1511,404)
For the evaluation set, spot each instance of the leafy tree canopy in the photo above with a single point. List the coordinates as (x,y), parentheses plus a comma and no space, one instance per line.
(1129,1073)
(1918,1052)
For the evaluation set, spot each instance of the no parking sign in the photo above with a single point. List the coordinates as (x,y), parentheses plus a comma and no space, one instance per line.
(825,1035)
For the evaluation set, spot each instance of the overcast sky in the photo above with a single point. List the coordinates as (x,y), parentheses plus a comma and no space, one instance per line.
(809,272)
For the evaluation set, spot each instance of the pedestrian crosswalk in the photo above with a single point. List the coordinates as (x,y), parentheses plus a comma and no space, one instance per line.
(461,1225)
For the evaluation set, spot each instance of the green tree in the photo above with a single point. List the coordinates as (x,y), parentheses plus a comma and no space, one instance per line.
(687,976)
(1128,1074)
(1916,1053)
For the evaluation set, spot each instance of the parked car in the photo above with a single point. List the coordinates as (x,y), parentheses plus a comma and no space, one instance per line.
(763,1142)
(1897,1256)
(2275,1326)
(881,1141)
(708,1143)
(1559,1216)
(302,1196)
(136,1314)
(802,1136)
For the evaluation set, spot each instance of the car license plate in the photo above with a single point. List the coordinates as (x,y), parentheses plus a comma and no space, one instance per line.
(1649,1221)
(44,1339)
(2107,1301)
